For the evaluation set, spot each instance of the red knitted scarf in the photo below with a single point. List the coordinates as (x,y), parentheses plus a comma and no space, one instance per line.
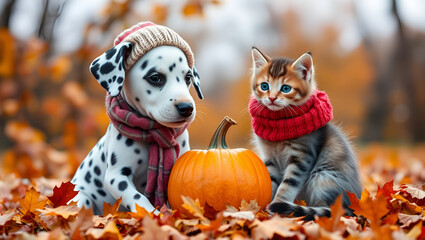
(163,150)
(290,122)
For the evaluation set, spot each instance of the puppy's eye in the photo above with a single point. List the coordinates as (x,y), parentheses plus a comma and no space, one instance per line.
(188,78)
(156,79)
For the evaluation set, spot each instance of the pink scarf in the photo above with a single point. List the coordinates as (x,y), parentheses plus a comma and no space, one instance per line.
(290,122)
(163,150)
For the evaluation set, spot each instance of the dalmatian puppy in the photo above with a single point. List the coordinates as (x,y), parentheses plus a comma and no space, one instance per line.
(157,86)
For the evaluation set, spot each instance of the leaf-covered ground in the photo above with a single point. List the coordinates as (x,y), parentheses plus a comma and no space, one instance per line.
(391,207)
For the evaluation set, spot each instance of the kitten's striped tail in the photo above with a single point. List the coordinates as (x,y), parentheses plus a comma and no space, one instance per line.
(286,208)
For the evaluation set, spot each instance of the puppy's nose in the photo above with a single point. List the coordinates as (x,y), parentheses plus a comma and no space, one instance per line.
(185,109)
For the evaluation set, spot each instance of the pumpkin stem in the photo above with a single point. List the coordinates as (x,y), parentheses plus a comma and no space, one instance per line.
(218,140)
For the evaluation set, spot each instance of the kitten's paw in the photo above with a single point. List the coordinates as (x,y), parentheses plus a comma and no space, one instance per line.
(280,207)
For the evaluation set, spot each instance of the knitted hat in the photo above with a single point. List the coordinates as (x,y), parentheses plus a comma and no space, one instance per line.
(145,36)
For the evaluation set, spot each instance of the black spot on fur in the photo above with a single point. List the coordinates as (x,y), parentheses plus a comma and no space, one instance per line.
(137,151)
(144,64)
(126,171)
(87,177)
(102,157)
(90,162)
(113,159)
(87,202)
(93,196)
(98,183)
(119,136)
(112,181)
(95,61)
(82,165)
(105,85)
(119,88)
(159,57)
(90,153)
(94,69)
(178,80)
(148,91)
(107,68)
(122,186)
(101,192)
(110,53)
(137,196)
(97,170)
(172,67)
(82,188)
(120,80)
(139,161)
(129,142)
(184,143)
(180,59)
(137,99)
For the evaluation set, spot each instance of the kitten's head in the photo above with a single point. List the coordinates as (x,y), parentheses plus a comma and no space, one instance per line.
(278,83)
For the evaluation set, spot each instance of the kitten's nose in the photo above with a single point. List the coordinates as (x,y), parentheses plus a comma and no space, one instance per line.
(184,109)
(272,99)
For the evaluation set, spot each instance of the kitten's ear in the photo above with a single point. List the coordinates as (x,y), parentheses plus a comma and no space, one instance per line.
(258,59)
(304,65)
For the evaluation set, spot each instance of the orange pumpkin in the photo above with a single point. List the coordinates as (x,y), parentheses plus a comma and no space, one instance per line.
(219,175)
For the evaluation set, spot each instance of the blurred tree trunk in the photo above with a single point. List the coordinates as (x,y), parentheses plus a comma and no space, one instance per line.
(394,74)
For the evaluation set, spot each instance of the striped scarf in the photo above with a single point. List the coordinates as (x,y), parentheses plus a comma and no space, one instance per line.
(163,149)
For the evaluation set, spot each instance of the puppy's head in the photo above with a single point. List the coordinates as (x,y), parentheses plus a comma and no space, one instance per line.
(157,85)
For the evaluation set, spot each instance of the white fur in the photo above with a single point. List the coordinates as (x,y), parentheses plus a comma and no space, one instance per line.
(160,105)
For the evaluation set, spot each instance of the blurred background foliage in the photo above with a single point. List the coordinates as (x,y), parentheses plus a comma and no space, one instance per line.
(369,57)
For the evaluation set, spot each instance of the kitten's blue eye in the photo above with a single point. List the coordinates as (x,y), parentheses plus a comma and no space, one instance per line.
(264,86)
(286,88)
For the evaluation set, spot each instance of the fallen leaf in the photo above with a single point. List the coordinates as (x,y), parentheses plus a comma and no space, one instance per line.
(30,202)
(276,225)
(140,213)
(251,206)
(63,211)
(194,208)
(334,222)
(152,230)
(63,194)
(110,231)
(111,209)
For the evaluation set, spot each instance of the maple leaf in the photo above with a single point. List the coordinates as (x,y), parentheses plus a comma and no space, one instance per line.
(251,206)
(194,208)
(140,213)
(110,231)
(63,194)
(334,222)
(372,209)
(386,190)
(152,230)
(83,222)
(30,202)
(63,211)
(111,209)
(276,225)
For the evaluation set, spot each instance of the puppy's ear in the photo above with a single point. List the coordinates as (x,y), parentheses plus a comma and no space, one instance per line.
(108,68)
(196,83)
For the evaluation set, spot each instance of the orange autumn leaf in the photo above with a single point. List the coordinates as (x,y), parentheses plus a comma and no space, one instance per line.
(140,213)
(371,208)
(7,53)
(111,209)
(110,231)
(63,194)
(194,208)
(334,222)
(63,211)
(30,202)
(386,190)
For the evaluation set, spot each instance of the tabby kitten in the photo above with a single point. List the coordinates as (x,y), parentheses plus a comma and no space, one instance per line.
(308,157)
